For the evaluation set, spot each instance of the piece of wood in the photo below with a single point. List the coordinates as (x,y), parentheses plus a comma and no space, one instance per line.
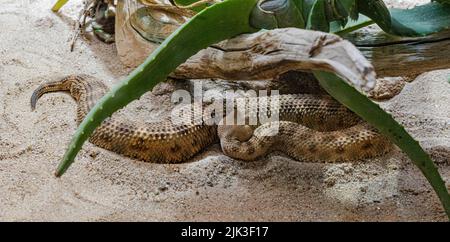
(261,54)
(394,56)
(267,54)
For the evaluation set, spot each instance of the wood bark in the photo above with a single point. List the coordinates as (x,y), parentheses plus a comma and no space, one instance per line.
(267,54)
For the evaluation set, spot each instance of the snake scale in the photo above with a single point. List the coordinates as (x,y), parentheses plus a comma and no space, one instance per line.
(310,128)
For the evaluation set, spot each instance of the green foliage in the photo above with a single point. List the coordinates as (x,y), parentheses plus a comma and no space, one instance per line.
(348,15)
(317,18)
(59,5)
(318,14)
(377,11)
(418,21)
(421,20)
(442,1)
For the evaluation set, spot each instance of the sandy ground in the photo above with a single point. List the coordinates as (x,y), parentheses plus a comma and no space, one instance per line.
(103,186)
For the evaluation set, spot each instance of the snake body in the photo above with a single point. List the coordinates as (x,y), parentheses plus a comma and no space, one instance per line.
(310,128)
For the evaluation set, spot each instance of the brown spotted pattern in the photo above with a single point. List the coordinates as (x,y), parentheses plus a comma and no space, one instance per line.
(311,128)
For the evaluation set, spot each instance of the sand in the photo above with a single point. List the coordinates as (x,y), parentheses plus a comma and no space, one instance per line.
(103,186)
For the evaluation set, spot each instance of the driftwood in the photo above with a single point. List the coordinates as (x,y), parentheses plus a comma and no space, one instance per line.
(394,56)
(265,55)
(259,55)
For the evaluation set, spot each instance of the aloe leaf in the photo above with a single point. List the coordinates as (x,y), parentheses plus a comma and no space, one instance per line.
(377,11)
(347,5)
(352,25)
(317,19)
(305,6)
(59,5)
(421,20)
(442,1)
(373,114)
(221,21)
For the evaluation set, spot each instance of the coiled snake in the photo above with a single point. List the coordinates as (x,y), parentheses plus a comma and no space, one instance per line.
(310,128)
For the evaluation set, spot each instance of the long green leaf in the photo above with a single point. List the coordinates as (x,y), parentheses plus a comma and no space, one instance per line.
(317,19)
(59,5)
(377,11)
(384,122)
(352,25)
(218,22)
(421,20)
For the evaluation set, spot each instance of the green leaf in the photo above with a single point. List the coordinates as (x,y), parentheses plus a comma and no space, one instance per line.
(442,1)
(305,6)
(421,20)
(59,5)
(377,11)
(384,122)
(352,25)
(348,5)
(317,19)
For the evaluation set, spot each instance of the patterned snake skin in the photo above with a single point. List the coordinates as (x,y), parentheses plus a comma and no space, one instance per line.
(311,128)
